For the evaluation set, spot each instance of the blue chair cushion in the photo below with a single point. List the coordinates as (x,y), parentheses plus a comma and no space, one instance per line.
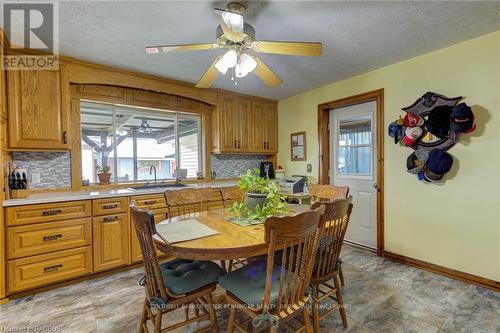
(182,276)
(249,282)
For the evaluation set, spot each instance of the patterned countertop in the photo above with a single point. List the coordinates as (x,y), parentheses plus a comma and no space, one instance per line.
(88,195)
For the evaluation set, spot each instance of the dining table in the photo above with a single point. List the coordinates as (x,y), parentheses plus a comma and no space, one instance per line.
(232,240)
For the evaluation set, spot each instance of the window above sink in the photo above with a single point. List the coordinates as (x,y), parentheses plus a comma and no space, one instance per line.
(130,140)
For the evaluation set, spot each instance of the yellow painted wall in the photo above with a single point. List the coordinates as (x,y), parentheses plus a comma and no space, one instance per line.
(456,225)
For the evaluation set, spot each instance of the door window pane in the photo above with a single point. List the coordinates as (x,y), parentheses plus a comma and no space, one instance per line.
(354,145)
(354,160)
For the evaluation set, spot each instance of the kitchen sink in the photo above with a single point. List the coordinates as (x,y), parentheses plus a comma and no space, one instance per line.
(157,185)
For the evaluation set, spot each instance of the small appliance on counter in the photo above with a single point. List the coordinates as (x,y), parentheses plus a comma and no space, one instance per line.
(267,170)
(293,184)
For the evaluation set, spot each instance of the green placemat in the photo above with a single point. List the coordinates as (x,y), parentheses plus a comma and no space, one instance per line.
(243,222)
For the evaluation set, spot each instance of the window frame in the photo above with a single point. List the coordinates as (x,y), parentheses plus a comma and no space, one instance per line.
(125,96)
(176,116)
(368,145)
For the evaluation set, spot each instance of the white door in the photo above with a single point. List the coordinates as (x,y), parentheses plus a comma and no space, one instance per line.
(353,153)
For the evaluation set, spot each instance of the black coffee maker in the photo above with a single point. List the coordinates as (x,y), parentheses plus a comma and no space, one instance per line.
(267,170)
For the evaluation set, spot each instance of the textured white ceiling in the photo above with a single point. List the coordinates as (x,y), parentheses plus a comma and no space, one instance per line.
(356,36)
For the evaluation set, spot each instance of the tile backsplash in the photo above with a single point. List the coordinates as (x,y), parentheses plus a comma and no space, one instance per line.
(54,168)
(233,165)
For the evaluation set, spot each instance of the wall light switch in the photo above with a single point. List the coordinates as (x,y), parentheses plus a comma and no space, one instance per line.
(35,178)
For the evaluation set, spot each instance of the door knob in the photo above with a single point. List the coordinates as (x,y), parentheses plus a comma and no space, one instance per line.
(375,186)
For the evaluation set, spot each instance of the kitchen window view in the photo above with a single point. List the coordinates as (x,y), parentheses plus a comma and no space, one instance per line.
(131,140)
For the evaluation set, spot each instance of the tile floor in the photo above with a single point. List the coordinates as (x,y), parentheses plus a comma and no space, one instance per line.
(381,296)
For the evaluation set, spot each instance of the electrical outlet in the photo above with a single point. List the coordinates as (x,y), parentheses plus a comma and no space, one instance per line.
(35,178)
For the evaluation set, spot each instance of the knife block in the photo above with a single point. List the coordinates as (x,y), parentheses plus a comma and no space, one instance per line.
(19,194)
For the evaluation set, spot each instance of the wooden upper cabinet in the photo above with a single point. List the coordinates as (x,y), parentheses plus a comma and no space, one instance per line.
(228,132)
(264,127)
(3,87)
(271,128)
(38,109)
(244,125)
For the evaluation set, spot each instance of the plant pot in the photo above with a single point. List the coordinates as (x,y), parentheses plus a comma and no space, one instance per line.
(254,199)
(104,178)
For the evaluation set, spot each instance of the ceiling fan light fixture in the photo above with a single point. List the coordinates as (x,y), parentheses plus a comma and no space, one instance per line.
(245,65)
(229,60)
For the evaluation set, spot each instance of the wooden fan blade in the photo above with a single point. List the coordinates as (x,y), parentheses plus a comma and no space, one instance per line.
(309,49)
(231,24)
(210,75)
(184,47)
(266,74)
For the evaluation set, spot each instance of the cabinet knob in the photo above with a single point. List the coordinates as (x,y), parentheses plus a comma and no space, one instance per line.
(65,137)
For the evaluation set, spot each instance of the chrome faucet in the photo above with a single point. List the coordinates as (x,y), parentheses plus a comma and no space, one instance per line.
(151,171)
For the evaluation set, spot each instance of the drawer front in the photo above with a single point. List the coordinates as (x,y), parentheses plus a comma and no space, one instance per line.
(36,271)
(52,212)
(160,215)
(34,239)
(154,201)
(109,206)
(111,241)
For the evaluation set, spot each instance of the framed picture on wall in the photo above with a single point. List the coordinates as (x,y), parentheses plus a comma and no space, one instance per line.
(298,146)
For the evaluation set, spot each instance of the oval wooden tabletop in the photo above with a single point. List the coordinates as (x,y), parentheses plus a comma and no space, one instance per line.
(231,242)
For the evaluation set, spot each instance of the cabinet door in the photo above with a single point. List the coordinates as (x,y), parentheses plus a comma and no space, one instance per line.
(3,88)
(111,241)
(38,117)
(271,128)
(160,215)
(258,126)
(228,120)
(243,124)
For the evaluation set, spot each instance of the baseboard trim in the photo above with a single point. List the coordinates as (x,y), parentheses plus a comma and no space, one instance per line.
(361,246)
(449,272)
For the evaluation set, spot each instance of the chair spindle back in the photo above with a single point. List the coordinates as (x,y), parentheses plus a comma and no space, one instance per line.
(332,229)
(144,225)
(187,202)
(326,193)
(230,194)
(297,236)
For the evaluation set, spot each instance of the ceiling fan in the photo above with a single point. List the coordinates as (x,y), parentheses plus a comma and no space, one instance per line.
(239,38)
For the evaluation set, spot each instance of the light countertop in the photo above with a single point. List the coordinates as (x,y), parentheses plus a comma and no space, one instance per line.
(88,195)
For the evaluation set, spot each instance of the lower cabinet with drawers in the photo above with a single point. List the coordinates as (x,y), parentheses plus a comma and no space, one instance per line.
(47,243)
(55,242)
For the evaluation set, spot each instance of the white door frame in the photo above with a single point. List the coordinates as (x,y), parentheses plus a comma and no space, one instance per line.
(324,148)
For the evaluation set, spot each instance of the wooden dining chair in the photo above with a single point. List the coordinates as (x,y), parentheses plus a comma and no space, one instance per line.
(230,195)
(327,193)
(187,202)
(275,291)
(173,284)
(332,229)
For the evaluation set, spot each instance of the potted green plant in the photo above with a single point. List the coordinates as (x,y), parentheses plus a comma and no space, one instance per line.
(261,197)
(103,174)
